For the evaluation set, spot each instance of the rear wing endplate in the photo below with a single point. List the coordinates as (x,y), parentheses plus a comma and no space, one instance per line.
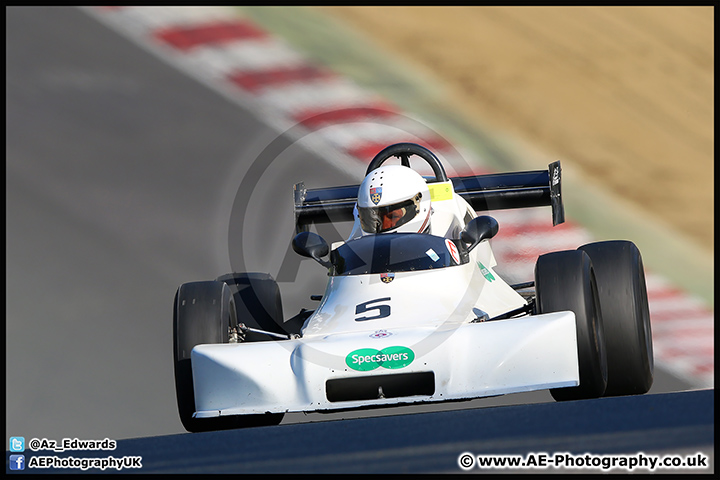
(500,191)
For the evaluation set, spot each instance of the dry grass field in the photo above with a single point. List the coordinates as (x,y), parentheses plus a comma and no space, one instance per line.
(625,94)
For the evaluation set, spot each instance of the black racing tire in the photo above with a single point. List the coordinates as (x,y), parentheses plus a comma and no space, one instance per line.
(203,313)
(623,297)
(566,281)
(258,303)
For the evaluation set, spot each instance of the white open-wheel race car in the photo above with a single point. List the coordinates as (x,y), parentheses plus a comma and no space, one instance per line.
(414,317)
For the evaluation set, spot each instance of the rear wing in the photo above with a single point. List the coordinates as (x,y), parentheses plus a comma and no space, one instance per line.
(502,191)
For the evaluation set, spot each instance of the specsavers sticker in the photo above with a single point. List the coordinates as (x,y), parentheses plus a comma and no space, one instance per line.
(366,359)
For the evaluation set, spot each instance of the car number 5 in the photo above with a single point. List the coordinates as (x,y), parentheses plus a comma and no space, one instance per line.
(383,310)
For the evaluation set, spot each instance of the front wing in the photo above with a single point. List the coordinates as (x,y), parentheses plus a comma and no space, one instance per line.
(385,367)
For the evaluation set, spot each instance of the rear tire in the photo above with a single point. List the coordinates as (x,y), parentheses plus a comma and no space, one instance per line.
(203,313)
(626,316)
(566,281)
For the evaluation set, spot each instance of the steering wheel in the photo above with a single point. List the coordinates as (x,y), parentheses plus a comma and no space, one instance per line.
(403,152)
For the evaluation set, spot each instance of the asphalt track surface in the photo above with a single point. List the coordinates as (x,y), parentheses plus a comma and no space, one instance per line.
(655,425)
(122,175)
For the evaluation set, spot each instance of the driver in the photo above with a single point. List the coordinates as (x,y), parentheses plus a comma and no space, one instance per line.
(392,198)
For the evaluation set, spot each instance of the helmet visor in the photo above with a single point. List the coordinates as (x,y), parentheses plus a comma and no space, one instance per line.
(382,219)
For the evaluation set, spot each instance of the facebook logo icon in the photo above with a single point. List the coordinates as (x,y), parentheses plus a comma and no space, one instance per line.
(17,462)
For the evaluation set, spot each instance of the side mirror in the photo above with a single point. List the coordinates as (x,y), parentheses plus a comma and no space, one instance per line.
(312,245)
(479,229)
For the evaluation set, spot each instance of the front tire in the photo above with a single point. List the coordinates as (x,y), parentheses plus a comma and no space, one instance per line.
(203,313)
(257,302)
(566,281)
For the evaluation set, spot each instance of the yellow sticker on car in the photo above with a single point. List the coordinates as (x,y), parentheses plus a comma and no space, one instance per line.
(440,191)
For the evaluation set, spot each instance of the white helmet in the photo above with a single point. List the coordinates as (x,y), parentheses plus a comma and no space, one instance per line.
(394,198)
